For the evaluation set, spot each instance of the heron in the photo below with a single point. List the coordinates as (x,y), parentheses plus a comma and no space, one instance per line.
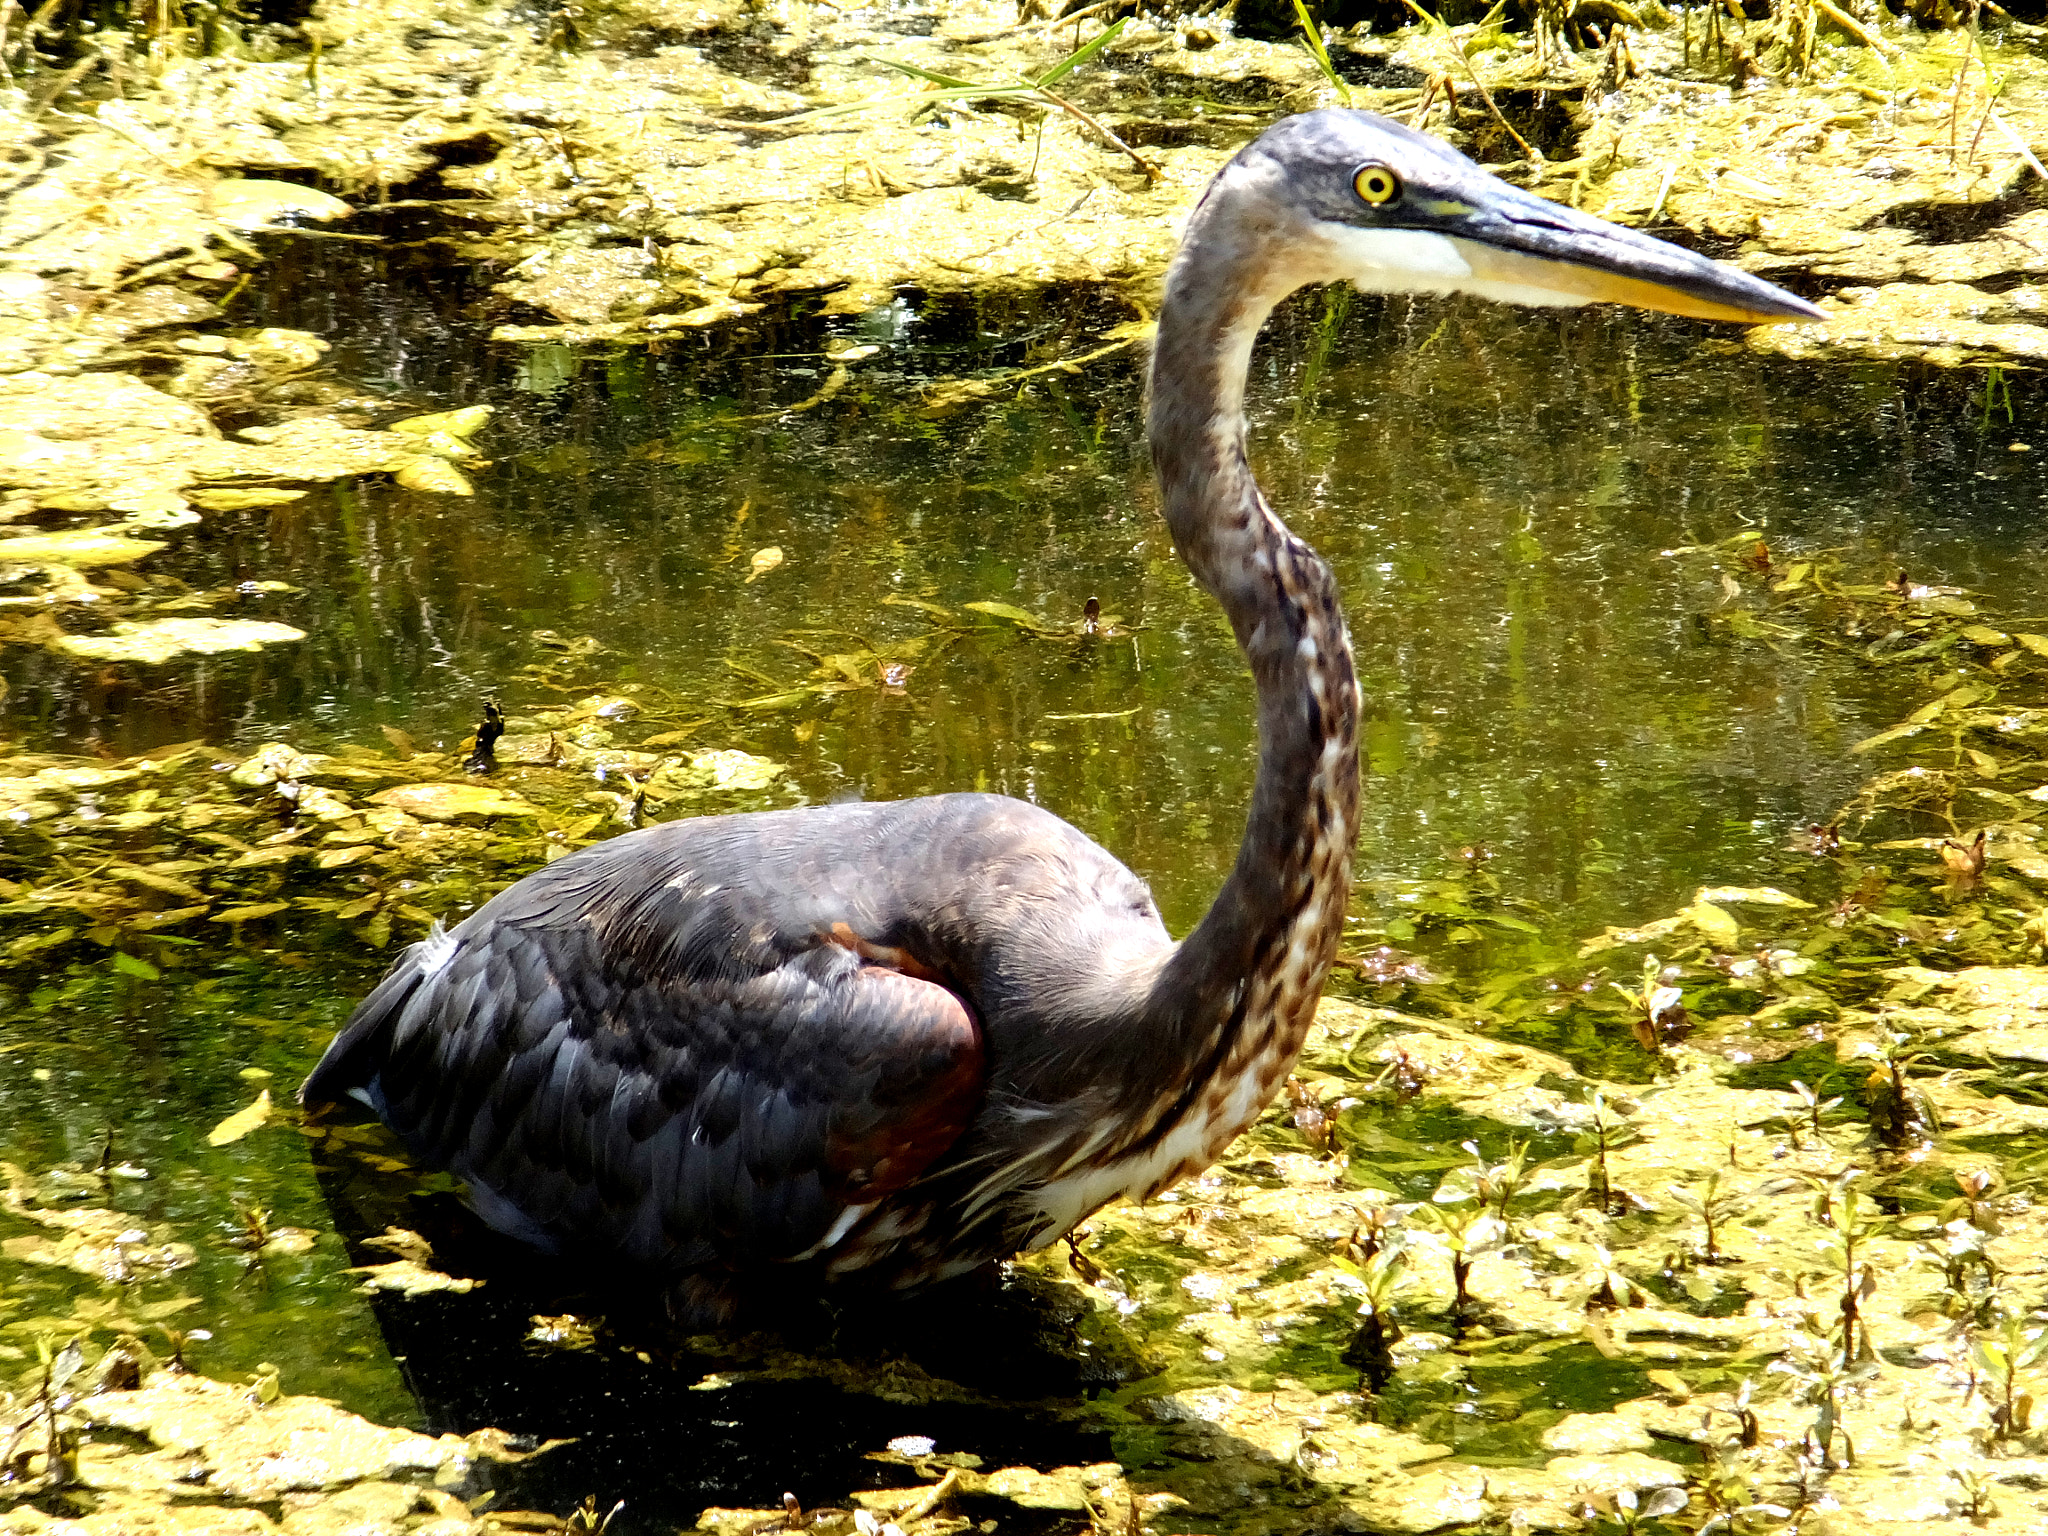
(890,1043)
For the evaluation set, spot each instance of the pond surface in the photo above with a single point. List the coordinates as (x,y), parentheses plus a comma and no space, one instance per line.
(1494,489)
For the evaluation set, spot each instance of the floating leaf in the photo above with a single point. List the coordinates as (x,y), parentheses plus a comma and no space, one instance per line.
(403,1277)
(433,474)
(1753,895)
(254,203)
(159,640)
(80,547)
(1896,733)
(893,600)
(1716,925)
(764,561)
(155,880)
(229,499)
(241,1122)
(792,699)
(249,913)
(464,422)
(454,802)
(1747,626)
(1927,712)
(722,771)
(341,858)
(1006,612)
(1941,602)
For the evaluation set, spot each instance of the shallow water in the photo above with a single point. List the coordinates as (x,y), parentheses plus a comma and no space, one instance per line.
(1494,490)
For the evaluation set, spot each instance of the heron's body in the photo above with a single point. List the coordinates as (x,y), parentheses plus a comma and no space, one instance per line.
(896,1041)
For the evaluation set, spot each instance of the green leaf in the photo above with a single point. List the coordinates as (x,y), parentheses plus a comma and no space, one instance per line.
(1008,612)
(923,74)
(128,965)
(1081,55)
(1715,924)
(1312,35)
(1756,895)
(241,1122)
(1896,733)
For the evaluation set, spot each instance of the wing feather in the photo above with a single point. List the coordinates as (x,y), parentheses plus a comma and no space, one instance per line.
(645,1064)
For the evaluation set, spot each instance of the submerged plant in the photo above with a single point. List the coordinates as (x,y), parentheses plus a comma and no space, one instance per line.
(1729,1492)
(1847,1230)
(1371,1348)
(1608,1134)
(1972,1204)
(1496,1183)
(1999,1359)
(1822,1380)
(1811,1103)
(60,1450)
(1899,1113)
(1976,1490)
(1317,1126)
(1749,1430)
(1632,1512)
(1612,1288)
(1960,1255)
(1373,1232)
(1658,1007)
(1464,1233)
(1712,1208)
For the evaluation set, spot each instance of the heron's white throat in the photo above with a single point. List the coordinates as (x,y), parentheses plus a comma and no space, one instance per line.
(1423,261)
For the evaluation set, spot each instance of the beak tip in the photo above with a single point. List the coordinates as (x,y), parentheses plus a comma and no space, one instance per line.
(1798,311)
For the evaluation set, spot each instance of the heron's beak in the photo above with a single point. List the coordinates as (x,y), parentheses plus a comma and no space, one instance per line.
(1513,240)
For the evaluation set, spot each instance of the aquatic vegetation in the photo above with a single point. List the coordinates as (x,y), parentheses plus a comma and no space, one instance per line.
(1295,1345)
(366,838)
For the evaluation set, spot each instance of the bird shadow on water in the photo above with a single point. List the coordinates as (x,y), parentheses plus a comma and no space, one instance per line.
(550,1349)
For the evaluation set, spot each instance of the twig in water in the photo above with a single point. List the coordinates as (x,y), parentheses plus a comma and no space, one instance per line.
(1451,42)
(2017,143)
(1854,28)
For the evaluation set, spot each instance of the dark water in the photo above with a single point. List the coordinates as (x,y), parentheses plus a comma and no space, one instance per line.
(1494,490)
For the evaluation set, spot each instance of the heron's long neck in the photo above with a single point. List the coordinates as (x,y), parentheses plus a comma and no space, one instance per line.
(1242,987)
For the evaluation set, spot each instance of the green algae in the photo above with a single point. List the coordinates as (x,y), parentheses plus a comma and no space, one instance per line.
(1608,1348)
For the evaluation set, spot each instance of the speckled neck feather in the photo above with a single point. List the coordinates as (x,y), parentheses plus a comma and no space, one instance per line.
(1248,977)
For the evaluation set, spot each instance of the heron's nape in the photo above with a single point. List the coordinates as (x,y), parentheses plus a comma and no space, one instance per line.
(892,1042)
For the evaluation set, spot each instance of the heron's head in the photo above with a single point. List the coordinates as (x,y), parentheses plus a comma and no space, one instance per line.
(1343,196)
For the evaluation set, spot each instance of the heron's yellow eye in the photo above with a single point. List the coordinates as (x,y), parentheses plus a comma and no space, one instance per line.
(1376,184)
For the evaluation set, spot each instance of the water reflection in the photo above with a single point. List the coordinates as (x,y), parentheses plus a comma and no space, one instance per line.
(1493,488)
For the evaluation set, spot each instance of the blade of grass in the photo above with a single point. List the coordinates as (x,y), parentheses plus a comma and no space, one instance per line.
(1082,54)
(912,69)
(1312,35)
(913,99)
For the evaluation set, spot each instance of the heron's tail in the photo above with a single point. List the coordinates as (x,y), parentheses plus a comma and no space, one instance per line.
(349,1074)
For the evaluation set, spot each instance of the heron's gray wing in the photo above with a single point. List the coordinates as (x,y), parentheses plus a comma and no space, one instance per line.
(601,1072)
